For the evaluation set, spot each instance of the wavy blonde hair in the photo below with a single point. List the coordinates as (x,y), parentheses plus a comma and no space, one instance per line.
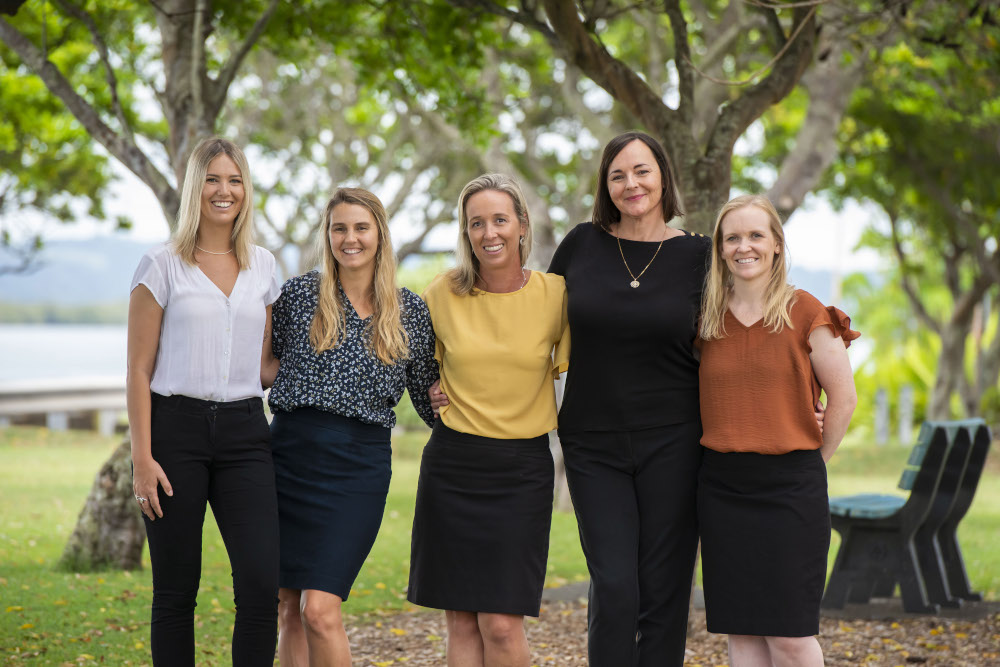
(463,276)
(189,214)
(778,294)
(385,336)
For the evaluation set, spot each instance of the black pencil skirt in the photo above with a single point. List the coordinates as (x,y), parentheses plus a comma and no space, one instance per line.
(481,525)
(332,477)
(765,534)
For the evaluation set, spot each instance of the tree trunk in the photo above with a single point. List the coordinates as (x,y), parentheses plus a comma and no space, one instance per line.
(109,533)
(950,369)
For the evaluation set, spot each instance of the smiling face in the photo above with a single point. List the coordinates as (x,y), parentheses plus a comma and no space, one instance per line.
(635,183)
(494,231)
(748,244)
(353,236)
(222,193)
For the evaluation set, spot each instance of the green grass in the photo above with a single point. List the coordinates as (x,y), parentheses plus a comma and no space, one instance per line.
(52,617)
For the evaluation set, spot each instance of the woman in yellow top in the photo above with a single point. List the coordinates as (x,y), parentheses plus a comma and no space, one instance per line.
(484,499)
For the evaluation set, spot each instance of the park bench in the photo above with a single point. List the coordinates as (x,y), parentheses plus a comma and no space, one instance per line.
(889,540)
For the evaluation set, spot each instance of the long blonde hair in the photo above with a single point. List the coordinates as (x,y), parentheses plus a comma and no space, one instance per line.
(463,276)
(778,294)
(386,338)
(189,215)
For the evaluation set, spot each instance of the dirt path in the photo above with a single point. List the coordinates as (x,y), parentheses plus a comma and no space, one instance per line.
(559,638)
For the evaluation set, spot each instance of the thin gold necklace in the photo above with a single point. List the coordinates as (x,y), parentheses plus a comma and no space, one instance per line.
(524,281)
(635,278)
(212,252)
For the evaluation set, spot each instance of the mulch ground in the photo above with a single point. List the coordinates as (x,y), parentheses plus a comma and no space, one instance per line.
(558,637)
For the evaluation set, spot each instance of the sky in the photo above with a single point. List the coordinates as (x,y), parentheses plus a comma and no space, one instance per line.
(818,237)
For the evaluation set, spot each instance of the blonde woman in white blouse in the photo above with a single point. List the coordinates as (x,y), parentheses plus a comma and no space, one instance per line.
(198,335)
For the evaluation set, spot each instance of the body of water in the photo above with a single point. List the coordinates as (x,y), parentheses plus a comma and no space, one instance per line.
(46,351)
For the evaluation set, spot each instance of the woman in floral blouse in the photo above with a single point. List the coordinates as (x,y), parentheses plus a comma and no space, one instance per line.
(349,342)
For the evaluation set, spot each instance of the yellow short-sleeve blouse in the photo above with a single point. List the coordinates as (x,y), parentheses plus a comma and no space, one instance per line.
(499,354)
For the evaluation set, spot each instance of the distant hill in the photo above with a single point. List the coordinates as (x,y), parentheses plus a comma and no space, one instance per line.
(98,271)
(75,273)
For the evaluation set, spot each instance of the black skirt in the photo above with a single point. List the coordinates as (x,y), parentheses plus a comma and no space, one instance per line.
(481,525)
(765,534)
(332,475)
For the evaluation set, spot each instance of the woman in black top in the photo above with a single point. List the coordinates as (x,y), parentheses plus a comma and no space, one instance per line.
(629,422)
(349,342)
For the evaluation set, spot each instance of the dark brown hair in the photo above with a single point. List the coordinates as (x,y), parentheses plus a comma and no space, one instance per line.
(605,211)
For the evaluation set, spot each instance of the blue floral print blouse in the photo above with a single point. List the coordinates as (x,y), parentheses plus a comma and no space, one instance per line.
(349,379)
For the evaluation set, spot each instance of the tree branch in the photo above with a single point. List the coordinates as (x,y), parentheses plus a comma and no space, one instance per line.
(608,72)
(989,362)
(127,152)
(415,246)
(771,18)
(229,70)
(787,69)
(829,83)
(109,72)
(682,59)
(964,221)
(965,302)
(569,87)
(906,280)
(720,41)
(198,59)
(524,18)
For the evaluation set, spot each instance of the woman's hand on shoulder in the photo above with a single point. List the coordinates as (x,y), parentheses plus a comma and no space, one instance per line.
(147,477)
(438,397)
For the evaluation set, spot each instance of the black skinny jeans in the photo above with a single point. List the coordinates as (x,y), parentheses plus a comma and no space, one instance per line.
(217,453)
(635,496)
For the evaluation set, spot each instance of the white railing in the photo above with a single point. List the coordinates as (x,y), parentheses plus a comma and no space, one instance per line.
(57,399)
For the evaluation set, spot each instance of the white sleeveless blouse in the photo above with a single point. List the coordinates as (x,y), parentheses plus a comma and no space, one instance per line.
(210,344)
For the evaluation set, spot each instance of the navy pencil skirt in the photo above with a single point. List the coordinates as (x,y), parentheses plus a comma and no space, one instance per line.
(481,524)
(332,475)
(765,534)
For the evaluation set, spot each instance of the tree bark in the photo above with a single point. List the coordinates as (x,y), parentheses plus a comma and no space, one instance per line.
(109,533)
(830,83)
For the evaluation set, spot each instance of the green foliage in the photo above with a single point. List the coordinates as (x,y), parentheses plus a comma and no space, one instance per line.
(49,165)
(417,273)
(920,142)
(903,354)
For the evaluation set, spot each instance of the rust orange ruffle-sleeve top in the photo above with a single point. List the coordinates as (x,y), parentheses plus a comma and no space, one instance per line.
(758,388)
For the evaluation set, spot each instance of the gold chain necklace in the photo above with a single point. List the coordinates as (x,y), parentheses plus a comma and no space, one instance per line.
(212,252)
(635,278)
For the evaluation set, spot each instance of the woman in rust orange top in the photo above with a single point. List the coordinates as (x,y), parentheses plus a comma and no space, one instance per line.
(767,350)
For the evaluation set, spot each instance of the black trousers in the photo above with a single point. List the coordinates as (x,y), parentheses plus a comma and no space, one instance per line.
(216,453)
(635,499)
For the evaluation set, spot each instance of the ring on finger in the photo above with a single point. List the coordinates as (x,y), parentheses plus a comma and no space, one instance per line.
(141,499)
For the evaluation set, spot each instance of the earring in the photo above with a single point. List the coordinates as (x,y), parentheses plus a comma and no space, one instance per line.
(521,241)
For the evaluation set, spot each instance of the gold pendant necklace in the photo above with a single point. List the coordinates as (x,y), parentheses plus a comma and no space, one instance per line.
(635,278)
